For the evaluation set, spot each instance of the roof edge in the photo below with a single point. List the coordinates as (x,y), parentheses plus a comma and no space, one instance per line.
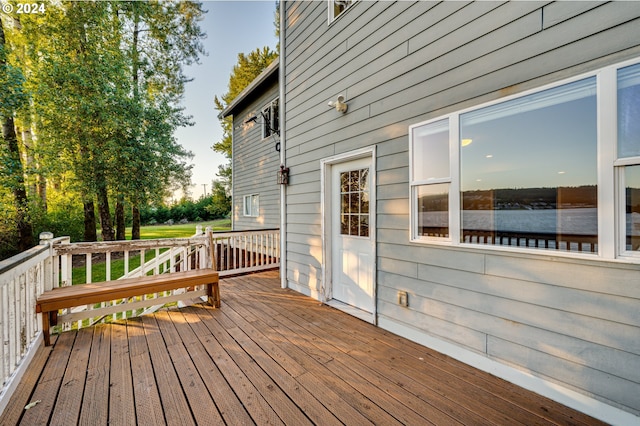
(264,75)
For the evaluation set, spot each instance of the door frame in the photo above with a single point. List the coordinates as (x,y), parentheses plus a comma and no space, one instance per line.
(326,166)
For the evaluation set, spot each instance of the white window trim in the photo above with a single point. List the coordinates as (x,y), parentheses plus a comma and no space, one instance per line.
(247,201)
(610,179)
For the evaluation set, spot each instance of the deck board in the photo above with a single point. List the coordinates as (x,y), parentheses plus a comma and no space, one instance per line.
(21,396)
(67,410)
(174,401)
(121,394)
(268,356)
(149,410)
(95,401)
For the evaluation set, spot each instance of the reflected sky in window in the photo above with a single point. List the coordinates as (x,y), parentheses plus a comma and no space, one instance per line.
(548,139)
(629,111)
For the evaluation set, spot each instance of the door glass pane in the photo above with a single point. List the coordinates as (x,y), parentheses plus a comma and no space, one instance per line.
(353,224)
(629,111)
(344,182)
(632,191)
(344,206)
(364,225)
(528,170)
(354,203)
(344,224)
(354,180)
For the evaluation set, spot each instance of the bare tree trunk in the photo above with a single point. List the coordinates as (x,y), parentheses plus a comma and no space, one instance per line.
(42,191)
(27,142)
(108,233)
(135,226)
(16,170)
(23,219)
(90,233)
(120,225)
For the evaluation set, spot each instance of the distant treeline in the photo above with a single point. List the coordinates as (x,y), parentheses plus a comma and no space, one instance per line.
(524,199)
(531,198)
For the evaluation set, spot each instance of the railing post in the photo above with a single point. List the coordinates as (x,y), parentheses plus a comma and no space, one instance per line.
(48,272)
(66,266)
(209,252)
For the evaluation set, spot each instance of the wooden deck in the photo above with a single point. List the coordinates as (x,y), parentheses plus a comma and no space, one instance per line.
(268,356)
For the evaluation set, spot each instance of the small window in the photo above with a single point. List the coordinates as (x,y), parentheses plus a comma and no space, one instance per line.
(271,119)
(432,177)
(336,7)
(251,205)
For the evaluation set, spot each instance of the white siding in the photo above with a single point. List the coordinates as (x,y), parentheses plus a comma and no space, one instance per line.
(572,322)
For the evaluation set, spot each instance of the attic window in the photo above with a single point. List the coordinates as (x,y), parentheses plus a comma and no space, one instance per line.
(336,7)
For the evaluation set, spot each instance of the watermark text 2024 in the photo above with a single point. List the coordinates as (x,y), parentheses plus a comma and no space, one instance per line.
(24,8)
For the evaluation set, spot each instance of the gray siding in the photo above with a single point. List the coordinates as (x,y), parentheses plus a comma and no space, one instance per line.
(572,322)
(255,165)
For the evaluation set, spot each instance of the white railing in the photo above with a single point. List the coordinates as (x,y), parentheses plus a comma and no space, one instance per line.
(22,279)
(56,263)
(239,252)
(126,259)
(230,253)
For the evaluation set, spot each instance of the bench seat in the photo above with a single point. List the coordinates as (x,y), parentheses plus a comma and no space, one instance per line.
(49,302)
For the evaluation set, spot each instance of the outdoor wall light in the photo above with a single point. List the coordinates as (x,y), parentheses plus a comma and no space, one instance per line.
(339,104)
(283,175)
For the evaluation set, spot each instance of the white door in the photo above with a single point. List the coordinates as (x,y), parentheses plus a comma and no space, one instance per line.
(352,241)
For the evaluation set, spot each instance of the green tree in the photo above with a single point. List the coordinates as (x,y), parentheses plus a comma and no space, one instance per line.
(12,98)
(220,205)
(81,99)
(243,73)
(160,38)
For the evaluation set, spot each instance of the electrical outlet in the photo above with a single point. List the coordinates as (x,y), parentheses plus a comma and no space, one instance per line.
(403,298)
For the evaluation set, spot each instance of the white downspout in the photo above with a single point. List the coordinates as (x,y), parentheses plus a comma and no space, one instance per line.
(283,157)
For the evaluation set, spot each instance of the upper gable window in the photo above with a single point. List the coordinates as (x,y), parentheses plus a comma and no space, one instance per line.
(271,119)
(336,7)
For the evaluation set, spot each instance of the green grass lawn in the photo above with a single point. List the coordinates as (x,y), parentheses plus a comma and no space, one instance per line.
(98,269)
(179,230)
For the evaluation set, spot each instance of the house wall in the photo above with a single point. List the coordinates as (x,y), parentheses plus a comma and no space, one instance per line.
(255,166)
(569,321)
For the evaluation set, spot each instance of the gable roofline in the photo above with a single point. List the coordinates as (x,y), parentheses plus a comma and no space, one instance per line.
(265,75)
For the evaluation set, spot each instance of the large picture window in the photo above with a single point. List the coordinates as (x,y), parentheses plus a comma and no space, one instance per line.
(532,171)
(528,170)
(628,82)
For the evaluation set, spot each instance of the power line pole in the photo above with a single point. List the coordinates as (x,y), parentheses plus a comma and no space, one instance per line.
(204,185)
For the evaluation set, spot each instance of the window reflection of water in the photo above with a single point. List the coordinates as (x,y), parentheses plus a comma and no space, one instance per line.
(566,221)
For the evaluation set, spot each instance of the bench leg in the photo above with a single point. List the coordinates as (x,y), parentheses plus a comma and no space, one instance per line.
(46,328)
(213,294)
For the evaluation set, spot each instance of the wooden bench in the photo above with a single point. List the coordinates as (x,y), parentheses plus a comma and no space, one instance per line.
(51,301)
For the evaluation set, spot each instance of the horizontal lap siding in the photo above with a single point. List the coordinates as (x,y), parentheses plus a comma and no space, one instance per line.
(571,321)
(255,166)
